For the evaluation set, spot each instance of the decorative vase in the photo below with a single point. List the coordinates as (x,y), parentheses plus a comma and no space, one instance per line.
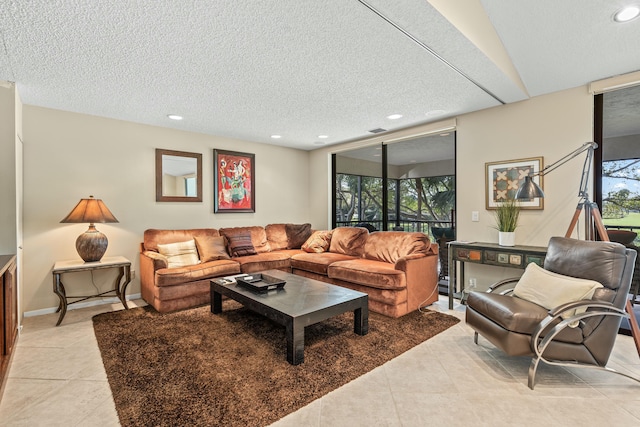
(506,238)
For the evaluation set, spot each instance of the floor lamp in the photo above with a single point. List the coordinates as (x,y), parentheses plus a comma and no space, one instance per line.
(593,219)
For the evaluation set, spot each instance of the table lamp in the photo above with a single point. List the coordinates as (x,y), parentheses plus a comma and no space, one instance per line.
(92,244)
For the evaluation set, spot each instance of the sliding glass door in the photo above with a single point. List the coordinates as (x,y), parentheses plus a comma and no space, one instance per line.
(413,179)
(358,179)
(619,190)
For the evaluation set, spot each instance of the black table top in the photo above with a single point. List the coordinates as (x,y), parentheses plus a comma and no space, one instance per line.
(299,296)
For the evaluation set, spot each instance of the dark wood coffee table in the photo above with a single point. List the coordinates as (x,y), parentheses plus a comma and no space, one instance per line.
(301,302)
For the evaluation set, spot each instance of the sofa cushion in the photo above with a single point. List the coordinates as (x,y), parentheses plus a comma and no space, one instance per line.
(376,274)
(211,248)
(276,236)
(316,262)
(390,246)
(348,240)
(318,242)
(153,237)
(240,245)
(180,254)
(258,236)
(297,234)
(287,236)
(265,261)
(181,275)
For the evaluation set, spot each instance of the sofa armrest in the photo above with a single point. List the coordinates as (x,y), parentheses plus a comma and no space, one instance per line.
(422,279)
(401,264)
(159,261)
(150,261)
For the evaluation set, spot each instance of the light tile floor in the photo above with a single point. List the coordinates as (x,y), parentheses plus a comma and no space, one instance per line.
(57,378)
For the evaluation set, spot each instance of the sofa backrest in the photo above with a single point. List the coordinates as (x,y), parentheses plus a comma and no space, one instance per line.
(153,237)
(277,236)
(390,246)
(258,236)
(287,236)
(348,240)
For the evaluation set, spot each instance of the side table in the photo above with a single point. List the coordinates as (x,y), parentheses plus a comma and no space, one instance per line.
(488,254)
(73,266)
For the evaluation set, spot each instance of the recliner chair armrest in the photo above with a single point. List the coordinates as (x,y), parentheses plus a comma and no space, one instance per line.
(603,305)
(596,308)
(497,287)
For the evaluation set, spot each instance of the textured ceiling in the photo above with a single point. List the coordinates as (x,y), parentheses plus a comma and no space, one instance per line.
(249,69)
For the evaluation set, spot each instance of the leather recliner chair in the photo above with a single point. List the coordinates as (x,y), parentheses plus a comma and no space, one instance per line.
(521,328)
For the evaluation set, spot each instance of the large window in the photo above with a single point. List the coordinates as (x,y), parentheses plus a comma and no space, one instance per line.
(423,202)
(426,202)
(619,195)
(358,199)
(414,180)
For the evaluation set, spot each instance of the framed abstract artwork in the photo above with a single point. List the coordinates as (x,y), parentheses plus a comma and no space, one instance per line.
(504,178)
(234,181)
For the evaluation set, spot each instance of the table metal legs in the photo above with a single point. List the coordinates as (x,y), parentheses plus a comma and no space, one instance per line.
(119,288)
(58,288)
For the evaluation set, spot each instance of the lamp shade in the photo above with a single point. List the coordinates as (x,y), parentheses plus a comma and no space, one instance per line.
(90,210)
(92,244)
(529,190)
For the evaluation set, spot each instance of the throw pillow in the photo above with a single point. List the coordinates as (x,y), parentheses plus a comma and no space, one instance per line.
(348,240)
(180,254)
(240,245)
(211,248)
(318,242)
(550,289)
(297,234)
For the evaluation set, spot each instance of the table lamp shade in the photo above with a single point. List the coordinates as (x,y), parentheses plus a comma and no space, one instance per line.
(92,244)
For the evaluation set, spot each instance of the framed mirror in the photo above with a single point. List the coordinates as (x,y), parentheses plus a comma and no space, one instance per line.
(178,176)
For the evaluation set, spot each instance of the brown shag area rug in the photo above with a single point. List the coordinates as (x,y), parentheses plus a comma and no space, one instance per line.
(196,368)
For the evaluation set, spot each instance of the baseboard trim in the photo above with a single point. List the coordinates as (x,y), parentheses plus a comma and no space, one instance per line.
(108,300)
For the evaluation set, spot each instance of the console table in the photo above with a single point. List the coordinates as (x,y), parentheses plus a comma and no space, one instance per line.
(74,266)
(489,254)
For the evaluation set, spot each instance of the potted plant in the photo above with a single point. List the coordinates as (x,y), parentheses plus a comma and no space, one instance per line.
(506,215)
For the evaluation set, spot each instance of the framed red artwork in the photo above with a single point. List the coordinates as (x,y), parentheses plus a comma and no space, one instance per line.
(234,181)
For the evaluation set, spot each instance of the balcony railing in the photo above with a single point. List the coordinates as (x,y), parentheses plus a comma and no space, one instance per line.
(421,226)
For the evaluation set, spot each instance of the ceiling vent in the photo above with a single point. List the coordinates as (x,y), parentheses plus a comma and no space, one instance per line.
(378,130)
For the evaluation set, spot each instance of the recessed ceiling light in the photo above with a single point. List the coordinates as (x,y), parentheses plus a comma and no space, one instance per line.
(174,117)
(276,136)
(394,116)
(323,136)
(626,14)
(319,143)
(435,113)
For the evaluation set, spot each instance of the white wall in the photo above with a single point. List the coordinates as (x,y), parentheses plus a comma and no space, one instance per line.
(69,156)
(550,126)
(7,169)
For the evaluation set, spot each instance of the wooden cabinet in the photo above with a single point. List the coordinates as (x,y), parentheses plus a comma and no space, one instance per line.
(8,314)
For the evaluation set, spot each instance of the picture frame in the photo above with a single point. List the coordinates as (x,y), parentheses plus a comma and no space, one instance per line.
(502,180)
(234,189)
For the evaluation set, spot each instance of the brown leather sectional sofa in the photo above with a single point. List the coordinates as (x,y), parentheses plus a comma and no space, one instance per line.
(398,270)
